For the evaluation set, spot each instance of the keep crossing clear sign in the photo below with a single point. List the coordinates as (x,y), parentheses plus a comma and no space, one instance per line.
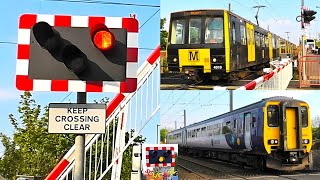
(67,118)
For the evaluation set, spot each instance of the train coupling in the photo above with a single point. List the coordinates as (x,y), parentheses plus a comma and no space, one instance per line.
(190,73)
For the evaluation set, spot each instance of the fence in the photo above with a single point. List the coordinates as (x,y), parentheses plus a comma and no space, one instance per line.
(126,112)
(278,79)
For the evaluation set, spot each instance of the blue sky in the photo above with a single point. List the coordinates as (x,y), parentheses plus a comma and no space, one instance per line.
(200,105)
(280,15)
(10,12)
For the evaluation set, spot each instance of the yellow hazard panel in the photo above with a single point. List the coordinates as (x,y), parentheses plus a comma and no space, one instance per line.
(195,57)
(307,131)
(269,132)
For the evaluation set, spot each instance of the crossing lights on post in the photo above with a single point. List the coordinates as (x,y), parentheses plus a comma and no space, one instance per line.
(307,16)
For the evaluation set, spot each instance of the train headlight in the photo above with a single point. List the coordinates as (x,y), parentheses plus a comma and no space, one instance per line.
(175,59)
(305,141)
(272,141)
(214,60)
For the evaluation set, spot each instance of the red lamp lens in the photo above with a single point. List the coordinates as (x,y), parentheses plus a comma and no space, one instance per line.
(103,40)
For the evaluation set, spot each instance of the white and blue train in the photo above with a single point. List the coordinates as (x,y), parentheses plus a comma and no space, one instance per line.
(274,133)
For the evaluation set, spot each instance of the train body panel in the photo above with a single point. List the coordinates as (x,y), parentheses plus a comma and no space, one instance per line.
(234,43)
(255,131)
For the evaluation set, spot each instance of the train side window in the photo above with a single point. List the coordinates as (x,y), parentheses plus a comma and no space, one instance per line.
(235,126)
(304,116)
(226,128)
(262,41)
(273,116)
(177,31)
(249,37)
(243,34)
(234,32)
(195,31)
(254,120)
(257,37)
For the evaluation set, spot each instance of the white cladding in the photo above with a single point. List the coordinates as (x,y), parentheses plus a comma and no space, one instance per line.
(68,118)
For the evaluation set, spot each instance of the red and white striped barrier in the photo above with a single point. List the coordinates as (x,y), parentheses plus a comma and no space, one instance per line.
(263,79)
(113,107)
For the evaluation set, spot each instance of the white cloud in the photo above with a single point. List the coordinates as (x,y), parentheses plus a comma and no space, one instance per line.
(8,94)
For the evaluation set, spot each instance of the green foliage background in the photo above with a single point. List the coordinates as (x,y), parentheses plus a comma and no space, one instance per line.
(33,151)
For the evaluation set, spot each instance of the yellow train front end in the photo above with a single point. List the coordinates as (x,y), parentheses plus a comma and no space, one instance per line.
(287,135)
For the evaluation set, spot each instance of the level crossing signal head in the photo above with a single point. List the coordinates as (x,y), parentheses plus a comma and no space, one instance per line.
(308,15)
(77,53)
(94,53)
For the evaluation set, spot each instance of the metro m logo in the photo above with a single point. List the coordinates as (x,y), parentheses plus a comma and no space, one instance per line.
(194,55)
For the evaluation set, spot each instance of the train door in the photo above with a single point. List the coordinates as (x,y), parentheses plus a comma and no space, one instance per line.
(247,131)
(184,137)
(251,44)
(233,46)
(270,46)
(291,118)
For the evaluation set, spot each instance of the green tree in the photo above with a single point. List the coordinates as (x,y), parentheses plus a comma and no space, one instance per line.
(163,35)
(163,133)
(32,150)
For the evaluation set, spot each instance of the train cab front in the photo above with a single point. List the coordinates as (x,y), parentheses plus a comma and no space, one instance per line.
(287,135)
(196,44)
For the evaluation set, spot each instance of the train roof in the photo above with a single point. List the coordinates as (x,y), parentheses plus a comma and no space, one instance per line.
(261,102)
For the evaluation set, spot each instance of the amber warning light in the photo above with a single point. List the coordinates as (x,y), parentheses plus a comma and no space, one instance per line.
(102,38)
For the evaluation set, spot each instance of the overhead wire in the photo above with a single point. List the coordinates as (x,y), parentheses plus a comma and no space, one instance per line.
(107,3)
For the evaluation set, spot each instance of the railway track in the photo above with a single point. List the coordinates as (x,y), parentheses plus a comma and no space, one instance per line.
(178,82)
(205,168)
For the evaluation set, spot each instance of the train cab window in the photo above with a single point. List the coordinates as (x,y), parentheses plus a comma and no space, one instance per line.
(243,34)
(273,116)
(226,128)
(177,31)
(214,30)
(304,116)
(195,31)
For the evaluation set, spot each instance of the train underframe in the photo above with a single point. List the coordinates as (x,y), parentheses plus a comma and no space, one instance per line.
(196,73)
(279,160)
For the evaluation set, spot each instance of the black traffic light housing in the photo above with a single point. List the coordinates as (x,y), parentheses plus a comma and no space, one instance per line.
(160,156)
(72,53)
(308,15)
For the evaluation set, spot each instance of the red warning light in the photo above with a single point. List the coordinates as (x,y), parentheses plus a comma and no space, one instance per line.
(102,38)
